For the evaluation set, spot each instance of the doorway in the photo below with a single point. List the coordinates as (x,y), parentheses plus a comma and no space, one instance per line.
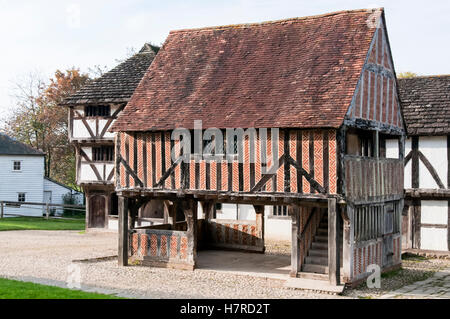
(97,211)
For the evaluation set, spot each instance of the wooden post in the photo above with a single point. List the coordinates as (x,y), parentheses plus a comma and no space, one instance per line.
(294,211)
(190,211)
(333,243)
(1,209)
(123,231)
(47,211)
(259,210)
(348,240)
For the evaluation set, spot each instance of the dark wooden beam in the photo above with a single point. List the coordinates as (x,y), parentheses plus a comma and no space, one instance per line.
(415,162)
(123,231)
(333,243)
(431,169)
(294,211)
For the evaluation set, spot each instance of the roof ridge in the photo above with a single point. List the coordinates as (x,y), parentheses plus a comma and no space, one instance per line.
(426,76)
(255,24)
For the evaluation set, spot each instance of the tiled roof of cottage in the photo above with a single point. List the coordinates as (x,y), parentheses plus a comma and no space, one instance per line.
(117,85)
(10,146)
(299,72)
(426,104)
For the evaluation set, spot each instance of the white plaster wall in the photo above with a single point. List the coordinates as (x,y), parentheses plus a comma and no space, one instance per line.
(434,212)
(435,150)
(408,166)
(433,238)
(80,131)
(86,173)
(392,149)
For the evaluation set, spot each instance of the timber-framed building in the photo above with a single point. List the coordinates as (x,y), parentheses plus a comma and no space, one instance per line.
(92,110)
(320,96)
(426,107)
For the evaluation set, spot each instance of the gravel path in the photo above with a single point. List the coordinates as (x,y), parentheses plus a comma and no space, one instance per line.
(44,257)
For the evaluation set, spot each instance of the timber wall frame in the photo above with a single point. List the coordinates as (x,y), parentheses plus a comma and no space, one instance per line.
(416,194)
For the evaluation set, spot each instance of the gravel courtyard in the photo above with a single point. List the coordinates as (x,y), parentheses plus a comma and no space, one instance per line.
(45,256)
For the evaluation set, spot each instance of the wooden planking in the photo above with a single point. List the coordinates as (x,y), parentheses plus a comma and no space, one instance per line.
(370,178)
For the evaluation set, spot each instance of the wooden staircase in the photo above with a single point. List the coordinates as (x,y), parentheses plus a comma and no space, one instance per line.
(315,265)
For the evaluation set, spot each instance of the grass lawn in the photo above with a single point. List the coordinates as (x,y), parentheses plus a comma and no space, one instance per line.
(13,289)
(40,223)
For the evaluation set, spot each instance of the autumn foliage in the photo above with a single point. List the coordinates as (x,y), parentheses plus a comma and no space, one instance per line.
(39,120)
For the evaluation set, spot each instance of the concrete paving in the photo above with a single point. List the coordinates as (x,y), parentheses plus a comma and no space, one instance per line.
(436,287)
(242,263)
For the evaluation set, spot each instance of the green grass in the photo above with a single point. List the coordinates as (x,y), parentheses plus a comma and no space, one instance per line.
(13,289)
(40,223)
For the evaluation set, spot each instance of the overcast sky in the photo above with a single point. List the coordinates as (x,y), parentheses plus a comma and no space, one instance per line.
(44,35)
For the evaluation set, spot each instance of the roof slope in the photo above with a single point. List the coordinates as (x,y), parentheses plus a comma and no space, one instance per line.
(300,72)
(118,84)
(426,104)
(10,146)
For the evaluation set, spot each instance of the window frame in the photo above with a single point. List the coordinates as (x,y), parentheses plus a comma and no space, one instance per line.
(14,165)
(97,111)
(102,148)
(19,195)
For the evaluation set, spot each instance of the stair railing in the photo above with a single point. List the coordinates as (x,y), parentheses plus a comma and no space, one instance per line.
(308,232)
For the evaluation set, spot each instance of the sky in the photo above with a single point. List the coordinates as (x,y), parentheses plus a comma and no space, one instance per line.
(41,36)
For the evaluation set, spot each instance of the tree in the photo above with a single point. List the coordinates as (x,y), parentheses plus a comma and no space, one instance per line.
(406,75)
(40,122)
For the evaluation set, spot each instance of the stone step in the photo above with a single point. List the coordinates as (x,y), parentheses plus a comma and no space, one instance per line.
(321,285)
(316,260)
(322,231)
(321,239)
(311,275)
(319,269)
(318,253)
(323,246)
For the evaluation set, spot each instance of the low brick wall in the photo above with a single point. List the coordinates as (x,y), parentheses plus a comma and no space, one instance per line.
(162,248)
(232,234)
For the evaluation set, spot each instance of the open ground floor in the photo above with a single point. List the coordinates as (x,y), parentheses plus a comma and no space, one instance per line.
(48,257)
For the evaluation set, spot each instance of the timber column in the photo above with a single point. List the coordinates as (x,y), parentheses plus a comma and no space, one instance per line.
(294,211)
(259,210)
(190,212)
(123,231)
(334,264)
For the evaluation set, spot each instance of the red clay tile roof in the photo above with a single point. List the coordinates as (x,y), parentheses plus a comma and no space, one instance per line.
(300,72)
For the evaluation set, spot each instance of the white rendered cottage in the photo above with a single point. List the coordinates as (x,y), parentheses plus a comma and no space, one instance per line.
(22,180)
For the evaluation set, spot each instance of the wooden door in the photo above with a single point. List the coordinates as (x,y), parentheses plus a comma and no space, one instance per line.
(97,211)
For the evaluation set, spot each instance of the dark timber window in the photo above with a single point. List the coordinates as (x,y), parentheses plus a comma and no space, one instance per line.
(21,197)
(280,211)
(103,153)
(97,110)
(17,166)
(360,142)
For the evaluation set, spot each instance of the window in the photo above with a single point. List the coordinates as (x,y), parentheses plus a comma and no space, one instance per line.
(21,197)
(280,211)
(360,142)
(97,110)
(17,165)
(103,153)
